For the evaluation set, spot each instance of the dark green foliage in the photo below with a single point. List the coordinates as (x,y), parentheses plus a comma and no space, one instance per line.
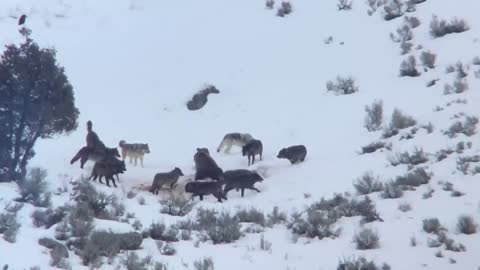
(37,102)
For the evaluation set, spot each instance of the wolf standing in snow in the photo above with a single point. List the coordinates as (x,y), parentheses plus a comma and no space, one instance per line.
(169,179)
(241,179)
(295,154)
(234,139)
(134,151)
(251,149)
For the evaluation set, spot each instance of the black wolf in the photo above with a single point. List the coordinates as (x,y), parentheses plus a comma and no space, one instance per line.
(205,188)
(251,149)
(200,99)
(295,154)
(241,179)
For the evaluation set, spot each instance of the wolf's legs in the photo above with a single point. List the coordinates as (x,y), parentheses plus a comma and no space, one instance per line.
(141,161)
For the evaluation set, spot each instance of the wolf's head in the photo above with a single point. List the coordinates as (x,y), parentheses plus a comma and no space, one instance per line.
(282,153)
(256,177)
(178,172)
(146,149)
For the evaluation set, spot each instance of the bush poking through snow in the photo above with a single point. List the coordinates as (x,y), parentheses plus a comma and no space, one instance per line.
(413,22)
(401,121)
(251,215)
(48,217)
(468,127)
(360,264)
(32,189)
(342,86)
(417,157)
(375,146)
(368,184)
(317,225)
(225,230)
(459,86)
(406,47)
(176,205)
(158,231)
(404,34)
(432,225)
(131,261)
(9,226)
(374,117)
(269,4)
(393,9)
(204,264)
(408,67)
(366,239)
(276,217)
(405,207)
(392,191)
(264,244)
(466,225)
(344,4)
(440,28)
(285,9)
(428,59)
(166,249)
(414,178)
(450,244)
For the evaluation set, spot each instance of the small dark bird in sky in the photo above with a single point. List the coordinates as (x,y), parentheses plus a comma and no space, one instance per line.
(22,19)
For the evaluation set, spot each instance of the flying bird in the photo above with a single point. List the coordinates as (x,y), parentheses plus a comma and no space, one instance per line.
(22,19)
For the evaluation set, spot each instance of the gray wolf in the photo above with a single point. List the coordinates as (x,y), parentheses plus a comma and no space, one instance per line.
(241,179)
(231,139)
(200,99)
(205,166)
(168,178)
(251,149)
(206,188)
(134,151)
(295,154)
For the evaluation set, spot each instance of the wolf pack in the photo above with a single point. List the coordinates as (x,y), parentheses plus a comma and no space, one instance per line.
(209,178)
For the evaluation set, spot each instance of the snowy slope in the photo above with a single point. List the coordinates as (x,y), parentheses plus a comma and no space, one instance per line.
(135,63)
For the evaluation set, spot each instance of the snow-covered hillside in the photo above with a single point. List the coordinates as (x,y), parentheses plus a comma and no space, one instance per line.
(135,63)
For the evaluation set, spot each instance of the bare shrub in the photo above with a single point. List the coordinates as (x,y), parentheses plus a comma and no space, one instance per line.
(165,248)
(204,264)
(176,205)
(393,9)
(48,217)
(251,215)
(408,67)
(285,9)
(413,22)
(80,220)
(9,226)
(342,86)
(432,225)
(414,178)
(366,239)
(368,184)
(159,231)
(374,117)
(265,245)
(375,146)
(141,200)
(58,252)
(406,47)
(131,261)
(225,230)
(466,225)
(468,127)
(392,191)
(476,61)
(344,4)
(404,207)
(131,194)
(401,121)
(403,34)
(269,4)
(33,189)
(316,225)
(459,86)
(440,28)
(374,5)
(449,243)
(360,263)
(428,59)
(276,217)
(417,157)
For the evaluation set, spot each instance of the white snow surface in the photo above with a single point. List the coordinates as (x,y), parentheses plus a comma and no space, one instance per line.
(134,64)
